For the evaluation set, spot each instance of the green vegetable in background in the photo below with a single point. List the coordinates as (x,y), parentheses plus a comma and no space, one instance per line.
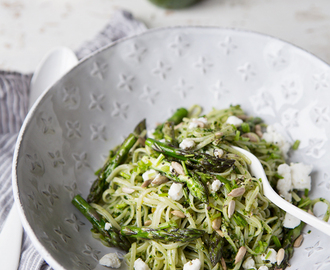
(100,185)
(200,161)
(162,235)
(174,4)
(112,236)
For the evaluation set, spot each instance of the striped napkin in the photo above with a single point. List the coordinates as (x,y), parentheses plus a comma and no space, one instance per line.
(14,94)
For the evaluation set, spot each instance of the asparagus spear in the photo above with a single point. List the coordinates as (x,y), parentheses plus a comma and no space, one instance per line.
(216,243)
(112,236)
(199,161)
(194,184)
(162,235)
(169,133)
(100,185)
(176,118)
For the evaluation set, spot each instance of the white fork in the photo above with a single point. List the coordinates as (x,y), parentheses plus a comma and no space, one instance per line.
(258,171)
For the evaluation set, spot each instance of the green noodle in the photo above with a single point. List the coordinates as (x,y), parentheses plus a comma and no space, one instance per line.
(255,220)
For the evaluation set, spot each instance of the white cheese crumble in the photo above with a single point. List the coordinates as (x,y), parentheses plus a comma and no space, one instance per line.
(270,255)
(150,174)
(215,186)
(272,136)
(150,133)
(249,264)
(263,267)
(110,260)
(107,226)
(284,185)
(233,120)
(140,265)
(194,123)
(187,144)
(295,176)
(193,265)
(218,153)
(290,221)
(175,192)
(300,176)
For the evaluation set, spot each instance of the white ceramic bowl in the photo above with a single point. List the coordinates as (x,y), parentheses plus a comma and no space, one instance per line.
(66,137)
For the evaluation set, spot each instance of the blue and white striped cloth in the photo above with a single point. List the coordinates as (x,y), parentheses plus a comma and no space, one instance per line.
(14,94)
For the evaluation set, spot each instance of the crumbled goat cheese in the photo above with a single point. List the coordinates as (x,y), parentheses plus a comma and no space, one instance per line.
(194,123)
(175,192)
(140,265)
(107,226)
(150,174)
(295,176)
(272,136)
(263,267)
(233,120)
(187,144)
(300,176)
(218,153)
(110,260)
(284,185)
(249,264)
(215,186)
(150,133)
(270,255)
(193,265)
(290,221)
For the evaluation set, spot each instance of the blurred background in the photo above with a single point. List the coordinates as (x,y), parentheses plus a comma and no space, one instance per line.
(29,29)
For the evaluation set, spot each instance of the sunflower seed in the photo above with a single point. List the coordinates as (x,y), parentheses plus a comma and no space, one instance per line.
(220,233)
(258,130)
(142,141)
(216,223)
(218,134)
(128,190)
(146,183)
(178,125)
(231,208)
(237,192)
(177,167)
(280,256)
(242,116)
(160,179)
(252,136)
(178,213)
(240,254)
(298,241)
(223,264)
(147,223)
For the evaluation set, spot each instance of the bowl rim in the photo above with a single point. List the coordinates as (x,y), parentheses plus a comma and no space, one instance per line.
(27,227)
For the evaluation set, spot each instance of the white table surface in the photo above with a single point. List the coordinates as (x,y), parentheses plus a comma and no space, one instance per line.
(29,29)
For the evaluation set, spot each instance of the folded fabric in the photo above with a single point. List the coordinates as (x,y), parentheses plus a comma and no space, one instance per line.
(14,94)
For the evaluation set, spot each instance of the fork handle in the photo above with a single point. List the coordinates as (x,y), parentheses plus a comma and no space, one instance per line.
(11,240)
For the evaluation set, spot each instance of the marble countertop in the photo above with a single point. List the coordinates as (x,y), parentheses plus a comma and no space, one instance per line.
(29,29)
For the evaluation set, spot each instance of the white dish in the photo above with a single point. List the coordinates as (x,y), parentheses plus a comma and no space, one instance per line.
(66,136)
